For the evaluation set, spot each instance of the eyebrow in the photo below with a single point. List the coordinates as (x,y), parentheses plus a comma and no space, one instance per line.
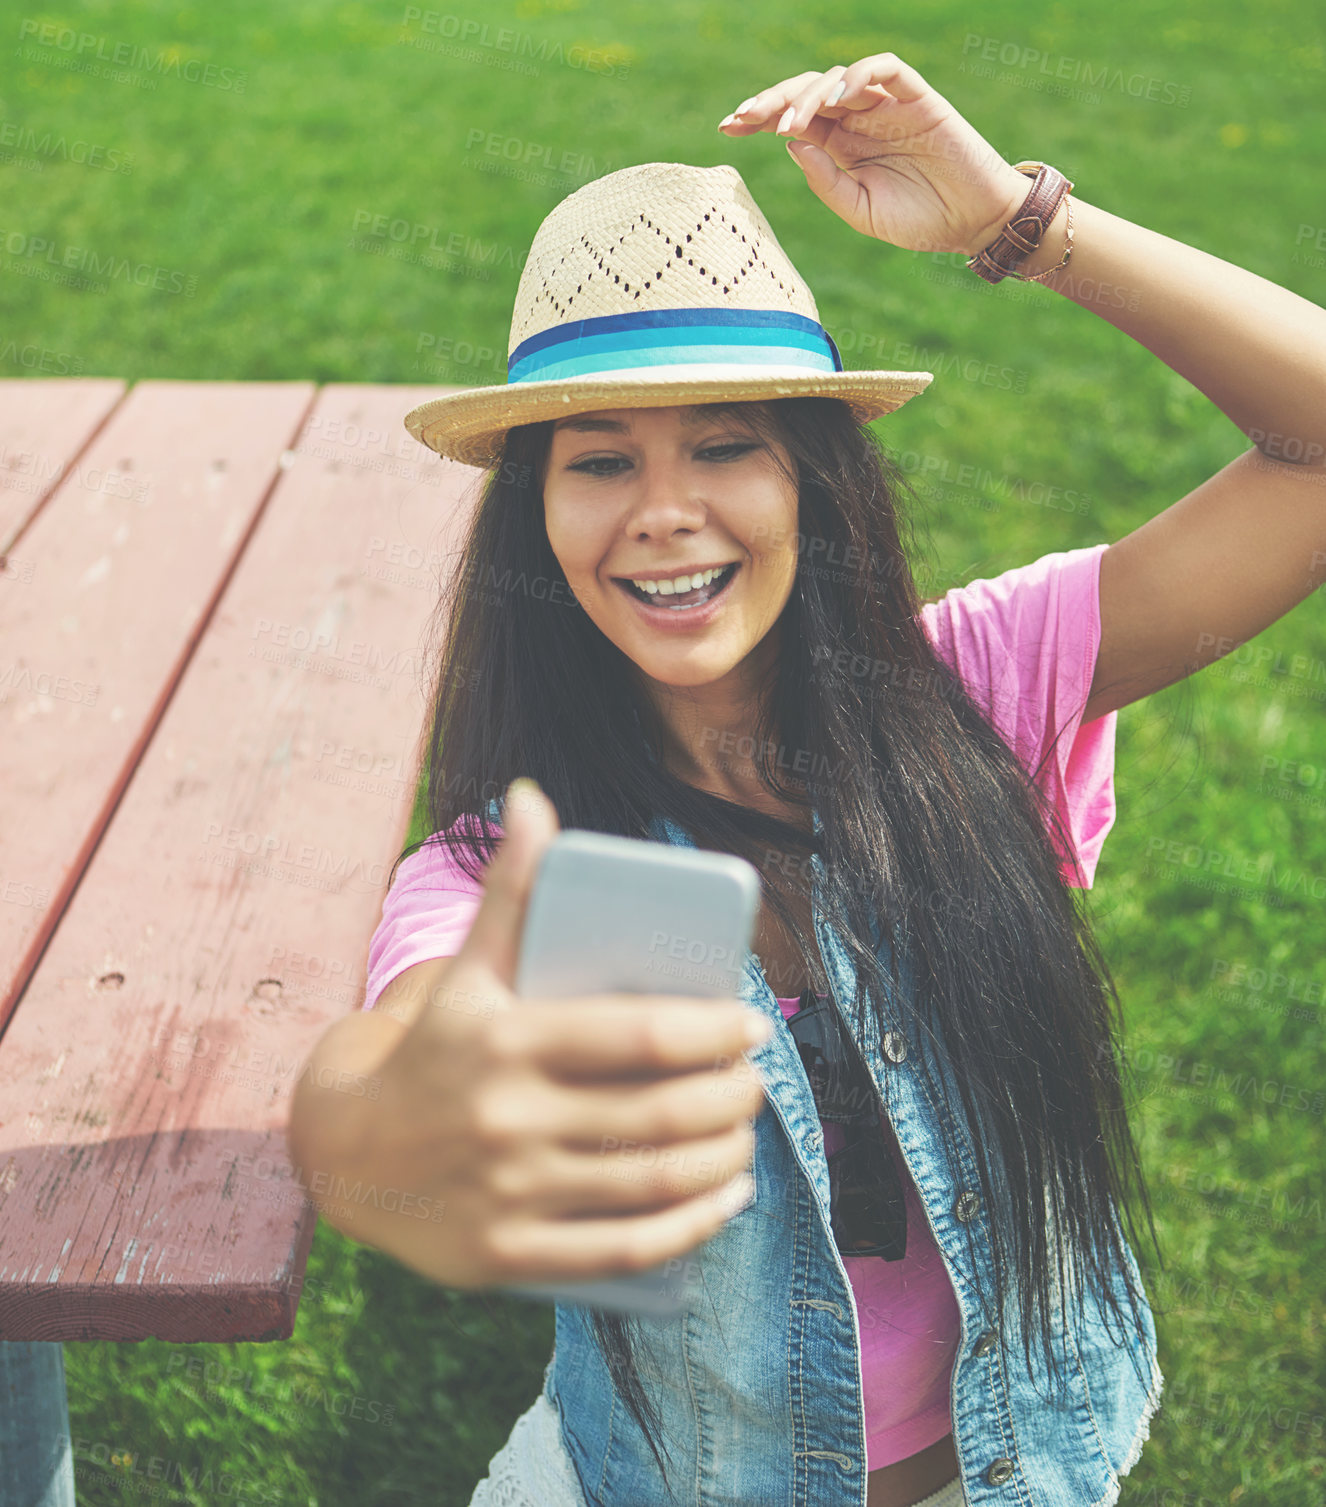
(691,418)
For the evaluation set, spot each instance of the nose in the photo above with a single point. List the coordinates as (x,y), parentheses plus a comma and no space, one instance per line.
(666,498)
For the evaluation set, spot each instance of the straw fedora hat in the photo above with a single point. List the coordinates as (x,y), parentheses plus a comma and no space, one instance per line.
(656,285)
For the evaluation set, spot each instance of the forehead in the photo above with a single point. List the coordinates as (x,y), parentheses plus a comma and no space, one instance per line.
(622,420)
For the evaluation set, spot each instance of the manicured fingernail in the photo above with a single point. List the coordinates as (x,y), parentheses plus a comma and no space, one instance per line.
(786,121)
(742,108)
(836,95)
(727,120)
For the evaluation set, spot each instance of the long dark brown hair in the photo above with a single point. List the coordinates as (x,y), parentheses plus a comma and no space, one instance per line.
(932,831)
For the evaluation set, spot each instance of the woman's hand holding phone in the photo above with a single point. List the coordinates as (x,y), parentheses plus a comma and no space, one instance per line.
(522,1121)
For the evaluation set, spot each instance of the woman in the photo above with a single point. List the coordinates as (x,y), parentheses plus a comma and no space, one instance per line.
(928,1300)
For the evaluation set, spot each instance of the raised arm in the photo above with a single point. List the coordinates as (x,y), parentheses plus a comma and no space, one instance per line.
(895,160)
(1222,563)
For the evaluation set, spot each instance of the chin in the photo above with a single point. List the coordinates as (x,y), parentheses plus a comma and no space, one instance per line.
(679,673)
(676,671)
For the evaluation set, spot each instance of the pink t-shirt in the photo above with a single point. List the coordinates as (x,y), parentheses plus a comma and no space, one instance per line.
(1024,645)
(908,1320)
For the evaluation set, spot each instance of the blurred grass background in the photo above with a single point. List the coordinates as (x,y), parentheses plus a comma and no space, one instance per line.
(256,187)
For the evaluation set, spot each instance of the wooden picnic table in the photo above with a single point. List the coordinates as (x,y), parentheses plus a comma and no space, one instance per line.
(216,600)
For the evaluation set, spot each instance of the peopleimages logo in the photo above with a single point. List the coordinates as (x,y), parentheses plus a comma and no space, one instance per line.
(21,679)
(1039,66)
(85,153)
(34,251)
(86,48)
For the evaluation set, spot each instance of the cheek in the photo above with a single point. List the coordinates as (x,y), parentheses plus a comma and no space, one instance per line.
(774,543)
(778,560)
(567,542)
(574,538)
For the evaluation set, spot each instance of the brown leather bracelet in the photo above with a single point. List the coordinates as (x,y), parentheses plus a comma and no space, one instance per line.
(1022,235)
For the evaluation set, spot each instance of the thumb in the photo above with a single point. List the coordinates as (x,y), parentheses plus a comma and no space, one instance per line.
(819,168)
(529,824)
(830,184)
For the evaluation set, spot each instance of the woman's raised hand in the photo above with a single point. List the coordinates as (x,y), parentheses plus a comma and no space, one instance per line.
(552,1139)
(894,159)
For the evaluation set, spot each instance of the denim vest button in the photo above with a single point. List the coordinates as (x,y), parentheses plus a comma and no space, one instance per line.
(895,1045)
(1000,1471)
(986,1342)
(967,1207)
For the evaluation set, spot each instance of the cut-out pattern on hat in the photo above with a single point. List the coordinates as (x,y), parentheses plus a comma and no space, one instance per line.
(718,269)
(633,256)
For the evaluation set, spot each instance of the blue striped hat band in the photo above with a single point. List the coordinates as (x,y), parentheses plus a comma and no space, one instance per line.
(672,337)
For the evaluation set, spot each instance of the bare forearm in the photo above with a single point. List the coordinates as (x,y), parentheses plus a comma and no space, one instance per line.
(1255,349)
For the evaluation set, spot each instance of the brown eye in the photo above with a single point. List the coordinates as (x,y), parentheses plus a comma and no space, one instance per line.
(592,461)
(719,454)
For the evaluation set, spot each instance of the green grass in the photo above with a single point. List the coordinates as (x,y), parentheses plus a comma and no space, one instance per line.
(393,1390)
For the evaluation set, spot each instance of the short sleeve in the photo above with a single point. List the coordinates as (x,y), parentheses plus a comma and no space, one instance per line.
(1024,644)
(427,913)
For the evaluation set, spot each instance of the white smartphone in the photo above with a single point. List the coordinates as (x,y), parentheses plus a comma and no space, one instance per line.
(609,915)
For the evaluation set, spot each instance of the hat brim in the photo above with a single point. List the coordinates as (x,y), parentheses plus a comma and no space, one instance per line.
(470,426)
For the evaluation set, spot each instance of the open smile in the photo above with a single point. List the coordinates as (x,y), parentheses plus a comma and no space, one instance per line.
(688,608)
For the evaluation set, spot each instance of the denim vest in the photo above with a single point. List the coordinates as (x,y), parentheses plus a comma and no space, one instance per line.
(759,1390)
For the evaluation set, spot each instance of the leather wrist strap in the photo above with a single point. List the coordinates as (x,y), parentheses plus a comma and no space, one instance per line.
(1022,235)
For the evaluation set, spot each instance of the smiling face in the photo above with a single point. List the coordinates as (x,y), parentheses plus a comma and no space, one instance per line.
(650,493)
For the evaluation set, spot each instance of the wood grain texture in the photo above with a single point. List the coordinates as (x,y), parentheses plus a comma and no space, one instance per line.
(44,424)
(224,920)
(124,579)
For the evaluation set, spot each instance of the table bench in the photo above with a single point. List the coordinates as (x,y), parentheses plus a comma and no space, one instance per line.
(216,602)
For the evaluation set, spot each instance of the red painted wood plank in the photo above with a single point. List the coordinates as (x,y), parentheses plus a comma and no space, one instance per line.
(225,919)
(44,423)
(123,582)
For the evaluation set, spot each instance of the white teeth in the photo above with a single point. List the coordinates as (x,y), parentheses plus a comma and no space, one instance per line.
(679,584)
